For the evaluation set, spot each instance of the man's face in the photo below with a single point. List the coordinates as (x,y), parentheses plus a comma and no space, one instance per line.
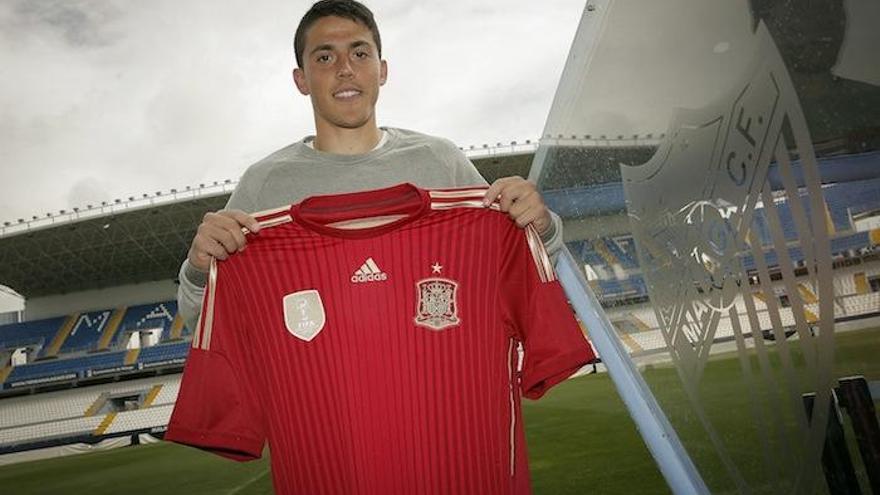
(341,73)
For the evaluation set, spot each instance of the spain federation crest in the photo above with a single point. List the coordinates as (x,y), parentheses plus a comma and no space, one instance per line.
(437,306)
(304,314)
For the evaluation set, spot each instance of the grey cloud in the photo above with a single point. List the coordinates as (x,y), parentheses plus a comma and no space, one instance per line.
(88,190)
(83,23)
(102,99)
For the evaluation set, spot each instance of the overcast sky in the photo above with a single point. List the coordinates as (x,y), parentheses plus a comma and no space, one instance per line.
(103,99)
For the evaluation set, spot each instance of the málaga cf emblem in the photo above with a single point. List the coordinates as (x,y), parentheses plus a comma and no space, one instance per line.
(437,307)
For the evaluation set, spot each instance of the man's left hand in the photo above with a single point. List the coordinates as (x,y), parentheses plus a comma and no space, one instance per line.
(521,200)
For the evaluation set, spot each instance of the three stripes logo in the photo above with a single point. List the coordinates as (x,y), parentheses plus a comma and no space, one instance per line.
(369,272)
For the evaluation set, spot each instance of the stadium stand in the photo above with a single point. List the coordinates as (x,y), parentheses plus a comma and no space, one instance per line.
(160,316)
(621,288)
(618,275)
(31,334)
(86,414)
(93,344)
(63,369)
(141,419)
(641,335)
(49,407)
(86,331)
(164,354)
(852,197)
(625,257)
(45,431)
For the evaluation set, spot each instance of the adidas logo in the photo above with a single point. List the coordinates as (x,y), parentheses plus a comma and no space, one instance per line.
(369,272)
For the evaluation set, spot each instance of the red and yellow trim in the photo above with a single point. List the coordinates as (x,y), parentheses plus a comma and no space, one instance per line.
(539,255)
(457,193)
(202,336)
(271,218)
(446,199)
(475,203)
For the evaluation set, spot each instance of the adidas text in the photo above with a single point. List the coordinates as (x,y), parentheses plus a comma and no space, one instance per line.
(371,277)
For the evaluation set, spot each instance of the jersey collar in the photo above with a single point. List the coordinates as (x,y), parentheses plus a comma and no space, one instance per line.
(350,215)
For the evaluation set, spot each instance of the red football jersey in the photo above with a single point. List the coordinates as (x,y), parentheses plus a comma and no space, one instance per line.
(372,339)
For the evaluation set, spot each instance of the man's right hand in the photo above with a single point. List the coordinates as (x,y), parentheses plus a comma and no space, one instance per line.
(220,235)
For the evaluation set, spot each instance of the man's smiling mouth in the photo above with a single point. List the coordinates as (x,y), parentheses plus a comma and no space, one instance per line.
(346,94)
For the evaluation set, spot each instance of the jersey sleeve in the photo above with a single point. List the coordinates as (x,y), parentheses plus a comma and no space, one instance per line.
(537,311)
(217,409)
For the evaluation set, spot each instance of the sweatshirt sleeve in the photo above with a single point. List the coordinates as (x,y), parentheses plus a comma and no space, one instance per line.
(190,293)
(552,239)
(463,170)
(192,280)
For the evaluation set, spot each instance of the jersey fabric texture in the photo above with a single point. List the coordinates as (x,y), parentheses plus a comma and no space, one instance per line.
(372,339)
(297,171)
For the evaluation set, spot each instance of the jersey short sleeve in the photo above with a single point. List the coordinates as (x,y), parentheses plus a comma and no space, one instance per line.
(536,309)
(217,408)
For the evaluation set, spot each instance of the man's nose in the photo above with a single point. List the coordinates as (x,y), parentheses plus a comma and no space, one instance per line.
(343,68)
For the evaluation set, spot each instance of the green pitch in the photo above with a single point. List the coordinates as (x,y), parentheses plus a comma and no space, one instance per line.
(579,436)
(580,439)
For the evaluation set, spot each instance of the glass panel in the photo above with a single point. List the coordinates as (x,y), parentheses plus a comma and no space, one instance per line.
(717,166)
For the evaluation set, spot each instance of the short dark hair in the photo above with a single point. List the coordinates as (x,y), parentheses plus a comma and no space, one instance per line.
(348,9)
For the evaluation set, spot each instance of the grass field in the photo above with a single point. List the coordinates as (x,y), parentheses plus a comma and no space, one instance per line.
(580,439)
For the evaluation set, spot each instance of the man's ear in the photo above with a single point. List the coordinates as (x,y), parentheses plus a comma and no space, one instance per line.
(299,79)
(383,72)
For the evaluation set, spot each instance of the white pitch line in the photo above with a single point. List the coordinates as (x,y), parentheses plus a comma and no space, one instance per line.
(247,483)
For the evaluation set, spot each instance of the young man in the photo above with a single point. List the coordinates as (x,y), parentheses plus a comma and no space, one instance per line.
(340,67)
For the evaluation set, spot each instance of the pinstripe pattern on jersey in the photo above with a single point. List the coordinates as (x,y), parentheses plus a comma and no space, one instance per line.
(445,199)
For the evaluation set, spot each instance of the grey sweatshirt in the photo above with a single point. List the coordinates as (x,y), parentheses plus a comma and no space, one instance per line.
(298,171)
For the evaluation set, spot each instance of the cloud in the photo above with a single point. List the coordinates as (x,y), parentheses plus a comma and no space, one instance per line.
(81,23)
(88,191)
(478,76)
(112,98)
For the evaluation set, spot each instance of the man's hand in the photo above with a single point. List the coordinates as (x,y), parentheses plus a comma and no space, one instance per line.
(521,200)
(220,235)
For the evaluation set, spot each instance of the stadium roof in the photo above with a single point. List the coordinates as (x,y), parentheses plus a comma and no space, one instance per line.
(145,238)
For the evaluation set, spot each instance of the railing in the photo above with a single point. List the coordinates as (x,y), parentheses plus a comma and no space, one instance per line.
(145,200)
(9,228)
(499,149)
(603,140)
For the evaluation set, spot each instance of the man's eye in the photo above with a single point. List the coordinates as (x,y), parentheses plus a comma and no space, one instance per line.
(323,58)
(361,54)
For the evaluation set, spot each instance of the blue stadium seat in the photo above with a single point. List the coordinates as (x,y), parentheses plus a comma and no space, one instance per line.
(77,366)
(148,316)
(626,260)
(31,333)
(584,251)
(855,197)
(164,353)
(86,332)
